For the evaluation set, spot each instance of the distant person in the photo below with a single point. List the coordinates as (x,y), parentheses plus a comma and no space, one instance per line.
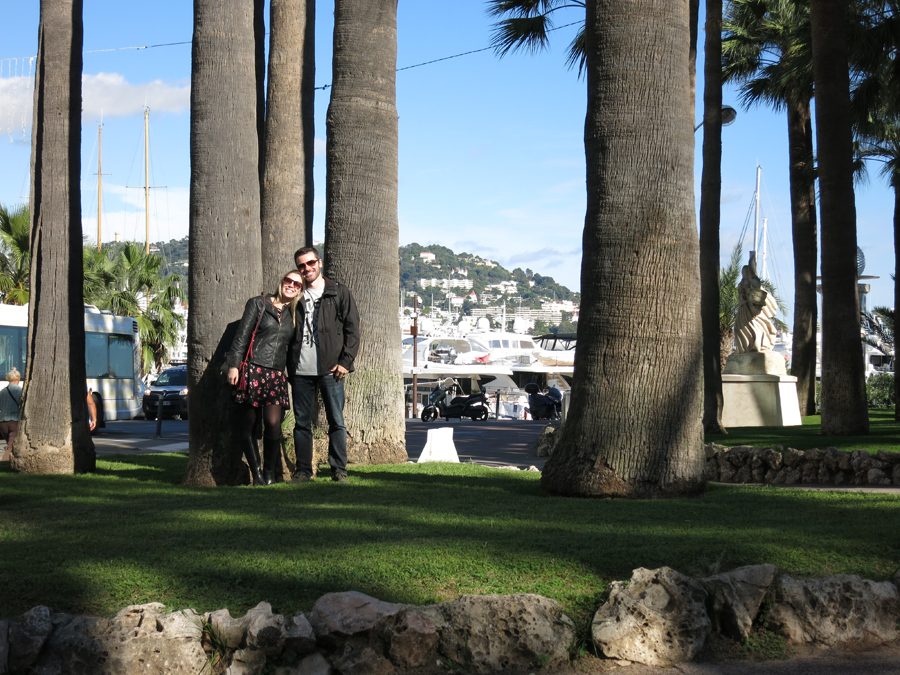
(10,404)
(91,405)
(322,353)
(262,340)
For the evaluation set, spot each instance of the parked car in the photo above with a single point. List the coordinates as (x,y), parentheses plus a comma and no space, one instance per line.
(170,388)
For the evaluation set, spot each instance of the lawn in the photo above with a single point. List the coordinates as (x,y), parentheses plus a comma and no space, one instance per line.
(406,533)
(884,434)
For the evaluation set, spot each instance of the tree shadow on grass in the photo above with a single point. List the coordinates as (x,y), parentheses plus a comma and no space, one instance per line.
(161,467)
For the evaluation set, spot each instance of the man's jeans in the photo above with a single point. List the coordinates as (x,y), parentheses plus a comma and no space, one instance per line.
(304,389)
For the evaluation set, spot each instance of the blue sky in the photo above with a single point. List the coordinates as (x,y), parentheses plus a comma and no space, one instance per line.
(491,152)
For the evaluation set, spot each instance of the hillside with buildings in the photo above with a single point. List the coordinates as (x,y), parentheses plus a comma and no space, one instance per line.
(447,287)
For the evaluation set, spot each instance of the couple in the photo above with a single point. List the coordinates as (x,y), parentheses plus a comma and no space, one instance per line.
(309,327)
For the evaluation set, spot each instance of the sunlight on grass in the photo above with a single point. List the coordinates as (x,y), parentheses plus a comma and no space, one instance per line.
(403,533)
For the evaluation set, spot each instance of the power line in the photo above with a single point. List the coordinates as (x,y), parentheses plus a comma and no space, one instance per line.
(322,87)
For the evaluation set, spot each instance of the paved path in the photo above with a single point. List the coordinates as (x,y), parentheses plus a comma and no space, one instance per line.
(495,443)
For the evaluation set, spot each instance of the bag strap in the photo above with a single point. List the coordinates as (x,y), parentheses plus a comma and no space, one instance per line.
(262,310)
(17,401)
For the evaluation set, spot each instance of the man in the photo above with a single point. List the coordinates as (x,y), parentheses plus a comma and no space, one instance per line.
(325,345)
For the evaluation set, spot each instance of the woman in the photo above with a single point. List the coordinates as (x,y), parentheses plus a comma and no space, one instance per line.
(10,399)
(262,340)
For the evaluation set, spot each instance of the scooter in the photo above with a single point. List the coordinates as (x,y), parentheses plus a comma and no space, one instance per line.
(543,406)
(442,403)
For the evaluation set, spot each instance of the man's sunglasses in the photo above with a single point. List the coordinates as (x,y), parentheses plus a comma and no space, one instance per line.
(287,281)
(308,263)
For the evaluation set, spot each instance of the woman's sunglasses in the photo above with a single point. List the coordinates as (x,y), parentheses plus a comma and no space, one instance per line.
(287,281)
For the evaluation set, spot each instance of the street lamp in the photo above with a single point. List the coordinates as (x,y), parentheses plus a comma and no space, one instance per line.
(728,116)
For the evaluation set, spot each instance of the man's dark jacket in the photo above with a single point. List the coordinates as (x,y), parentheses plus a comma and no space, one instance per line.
(337,326)
(270,346)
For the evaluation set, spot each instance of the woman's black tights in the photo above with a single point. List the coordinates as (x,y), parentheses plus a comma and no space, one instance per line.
(270,416)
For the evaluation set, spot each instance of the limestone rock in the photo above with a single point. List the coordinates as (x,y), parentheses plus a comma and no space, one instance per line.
(338,616)
(505,633)
(736,596)
(365,661)
(314,664)
(75,646)
(842,609)
(658,618)
(27,637)
(410,638)
(299,637)
(546,441)
(228,629)
(265,629)
(247,662)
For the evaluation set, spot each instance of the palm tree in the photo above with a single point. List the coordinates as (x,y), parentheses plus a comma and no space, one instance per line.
(767,50)
(710,217)
(844,408)
(131,283)
(224,249)
(527,25)
(15,259)
(634,427)
(877,114)
(53,435)
(361,228)
(284,184)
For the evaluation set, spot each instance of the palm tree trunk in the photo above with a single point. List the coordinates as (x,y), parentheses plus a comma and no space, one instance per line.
(710,214)
(53,435)
(284,177)
(803,218)
(634,427)
(224,248)
(895,184)
(361,228)
(843,380)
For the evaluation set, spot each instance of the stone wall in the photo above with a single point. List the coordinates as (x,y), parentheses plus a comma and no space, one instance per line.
(658,617)
(788,466)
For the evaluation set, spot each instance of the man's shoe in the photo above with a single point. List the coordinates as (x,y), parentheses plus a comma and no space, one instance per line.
(338,476)
(302,478)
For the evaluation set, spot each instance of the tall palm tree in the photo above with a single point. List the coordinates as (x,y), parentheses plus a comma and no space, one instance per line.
(634,427)
(131,283)
(876,108)
(15,257)
(766,50)
(224,249)
(361,227)
(53,436)
(284,184)
(710,218)
(844,408)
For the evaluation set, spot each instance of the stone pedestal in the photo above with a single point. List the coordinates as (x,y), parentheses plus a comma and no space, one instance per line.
(760,401)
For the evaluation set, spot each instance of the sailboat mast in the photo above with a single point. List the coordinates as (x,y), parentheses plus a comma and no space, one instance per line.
(147,180)
(756,210)
(763,249)
(99,186)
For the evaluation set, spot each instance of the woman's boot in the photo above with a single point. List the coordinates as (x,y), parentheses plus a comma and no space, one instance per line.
(271,450)
(251,454)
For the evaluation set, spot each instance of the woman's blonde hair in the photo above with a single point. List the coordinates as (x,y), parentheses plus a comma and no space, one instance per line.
(13,375)
(292,303)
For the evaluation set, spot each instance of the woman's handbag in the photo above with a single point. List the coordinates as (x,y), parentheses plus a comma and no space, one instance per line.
(240,393)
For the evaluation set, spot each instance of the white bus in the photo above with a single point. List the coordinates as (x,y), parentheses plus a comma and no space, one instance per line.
(112,358)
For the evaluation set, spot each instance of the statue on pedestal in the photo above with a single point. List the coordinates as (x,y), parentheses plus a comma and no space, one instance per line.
(754,327)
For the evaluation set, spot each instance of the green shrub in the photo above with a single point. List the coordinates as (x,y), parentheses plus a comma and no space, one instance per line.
(880,390)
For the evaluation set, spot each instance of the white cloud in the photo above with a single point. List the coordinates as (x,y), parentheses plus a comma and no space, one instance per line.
(15,111)
(124,214)
(106,94)
(111,95)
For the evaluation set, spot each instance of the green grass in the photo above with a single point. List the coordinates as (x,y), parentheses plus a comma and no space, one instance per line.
(405,533)
(884,434)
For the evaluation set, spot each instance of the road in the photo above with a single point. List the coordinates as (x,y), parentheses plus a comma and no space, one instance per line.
(493,442)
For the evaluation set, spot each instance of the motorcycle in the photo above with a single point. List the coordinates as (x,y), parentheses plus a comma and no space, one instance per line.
(442,403)
(543,406)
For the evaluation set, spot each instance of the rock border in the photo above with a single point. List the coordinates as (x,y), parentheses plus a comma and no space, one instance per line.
(658,618)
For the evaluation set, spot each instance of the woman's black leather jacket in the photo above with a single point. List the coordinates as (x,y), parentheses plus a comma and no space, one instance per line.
(273,336)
